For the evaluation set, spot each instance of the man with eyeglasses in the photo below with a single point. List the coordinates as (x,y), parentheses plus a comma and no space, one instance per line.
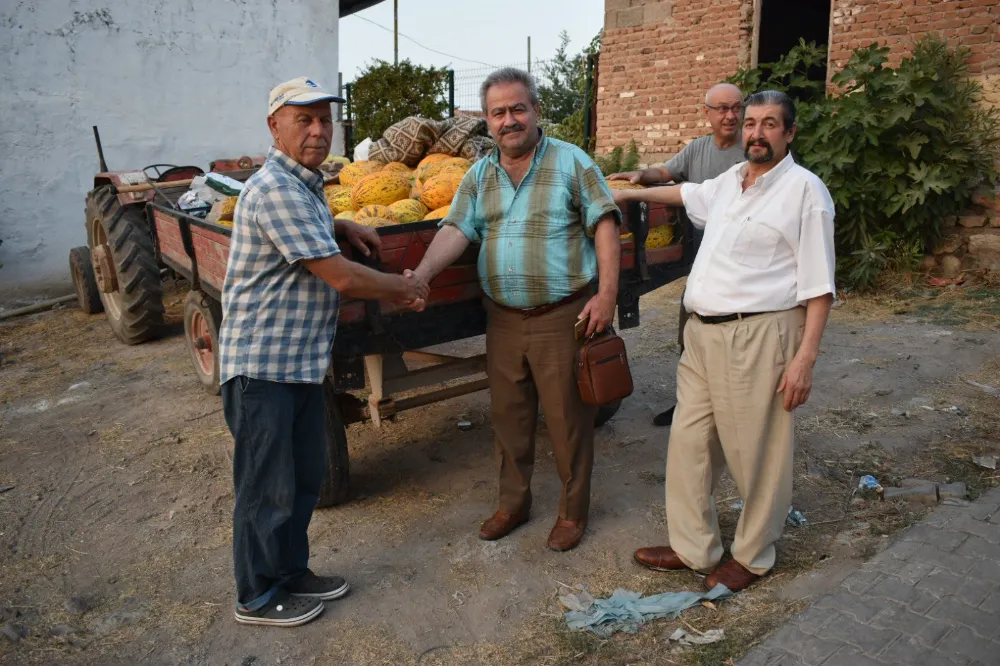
(703,159)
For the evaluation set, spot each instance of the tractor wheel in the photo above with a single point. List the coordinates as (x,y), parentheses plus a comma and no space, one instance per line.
(202,317)
(605,412)
(128,277)
(82,272)
(336,484)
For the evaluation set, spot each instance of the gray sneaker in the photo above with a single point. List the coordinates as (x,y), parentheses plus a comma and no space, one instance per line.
(326,588)
(283,610)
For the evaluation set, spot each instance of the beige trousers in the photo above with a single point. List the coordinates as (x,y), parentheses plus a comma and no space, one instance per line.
(728,413)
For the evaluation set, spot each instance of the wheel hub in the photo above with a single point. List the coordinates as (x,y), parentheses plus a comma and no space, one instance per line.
(104,269)
(201,341)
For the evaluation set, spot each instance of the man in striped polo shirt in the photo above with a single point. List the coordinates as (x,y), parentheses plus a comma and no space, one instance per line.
(548,228)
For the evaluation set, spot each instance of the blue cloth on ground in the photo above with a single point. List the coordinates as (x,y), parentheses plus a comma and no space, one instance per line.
(626,610)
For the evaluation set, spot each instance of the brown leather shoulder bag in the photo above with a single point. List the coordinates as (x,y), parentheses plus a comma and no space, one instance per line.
(602,371)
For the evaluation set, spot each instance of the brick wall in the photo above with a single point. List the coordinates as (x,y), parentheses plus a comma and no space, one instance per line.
(659,56)
(899,23)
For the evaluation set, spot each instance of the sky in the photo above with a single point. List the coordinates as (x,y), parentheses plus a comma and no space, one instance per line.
(470,32)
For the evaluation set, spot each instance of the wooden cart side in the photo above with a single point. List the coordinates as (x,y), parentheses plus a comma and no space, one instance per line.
(194,248)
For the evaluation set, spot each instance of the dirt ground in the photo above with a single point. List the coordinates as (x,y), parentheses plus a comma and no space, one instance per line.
(115,538)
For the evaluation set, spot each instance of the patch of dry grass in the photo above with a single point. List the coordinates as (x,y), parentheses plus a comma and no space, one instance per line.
(972,306)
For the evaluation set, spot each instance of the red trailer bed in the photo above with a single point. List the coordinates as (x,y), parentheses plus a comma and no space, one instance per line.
(380,341)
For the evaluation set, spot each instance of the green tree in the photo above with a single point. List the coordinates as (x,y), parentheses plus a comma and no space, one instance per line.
(559,89)
(384,94)
(562,91)
(900,149)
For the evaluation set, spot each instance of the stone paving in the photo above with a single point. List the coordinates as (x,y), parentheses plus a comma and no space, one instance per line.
(932,598)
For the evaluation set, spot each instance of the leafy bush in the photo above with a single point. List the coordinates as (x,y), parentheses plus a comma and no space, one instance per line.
(384,94)
(900,149)
(619,159)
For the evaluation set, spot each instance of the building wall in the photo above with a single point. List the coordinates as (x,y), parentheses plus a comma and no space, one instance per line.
(177,82)
(900,23)
(658,57)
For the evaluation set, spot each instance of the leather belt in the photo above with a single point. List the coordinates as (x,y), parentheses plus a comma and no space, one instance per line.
(722,319)
(548,307)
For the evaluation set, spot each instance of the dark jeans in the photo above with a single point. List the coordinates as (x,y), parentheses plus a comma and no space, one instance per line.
(278,467)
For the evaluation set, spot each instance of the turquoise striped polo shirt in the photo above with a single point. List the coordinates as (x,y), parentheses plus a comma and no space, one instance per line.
(538,238)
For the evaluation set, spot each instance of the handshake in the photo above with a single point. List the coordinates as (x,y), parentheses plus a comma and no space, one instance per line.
(413,291)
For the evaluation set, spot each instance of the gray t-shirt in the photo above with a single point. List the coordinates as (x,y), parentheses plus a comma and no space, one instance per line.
(702,160)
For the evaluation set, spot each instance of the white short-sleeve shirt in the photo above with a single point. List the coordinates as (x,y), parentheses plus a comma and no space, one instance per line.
(765,249)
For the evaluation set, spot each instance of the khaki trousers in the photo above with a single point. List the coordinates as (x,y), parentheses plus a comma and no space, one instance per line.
(530,360)
(728,413)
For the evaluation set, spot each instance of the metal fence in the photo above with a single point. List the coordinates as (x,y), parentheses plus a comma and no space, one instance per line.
(462,93)
(468,81)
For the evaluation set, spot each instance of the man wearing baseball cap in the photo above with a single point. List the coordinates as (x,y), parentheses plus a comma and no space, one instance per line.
(280,302)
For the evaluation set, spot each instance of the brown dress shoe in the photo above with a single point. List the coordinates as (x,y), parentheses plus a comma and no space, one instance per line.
(732,574)
(566,534)
(659,558)
(501,524)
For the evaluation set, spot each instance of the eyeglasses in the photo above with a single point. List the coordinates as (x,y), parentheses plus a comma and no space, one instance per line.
(737,109)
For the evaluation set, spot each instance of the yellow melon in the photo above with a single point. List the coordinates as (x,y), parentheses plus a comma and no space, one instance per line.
(657,237)
(428,171)
(660,236)
(352,173)
(624,185)
(382,188)
(376,222)
(344,215)
(397,167)
(337,158)
(438,214)
(408,210)
(433,157)
(374,211)
(440,190)
(338,198)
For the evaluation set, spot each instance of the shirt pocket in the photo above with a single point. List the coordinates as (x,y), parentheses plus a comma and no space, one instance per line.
(754,244)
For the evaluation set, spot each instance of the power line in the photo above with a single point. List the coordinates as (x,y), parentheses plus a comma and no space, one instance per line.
(427,48)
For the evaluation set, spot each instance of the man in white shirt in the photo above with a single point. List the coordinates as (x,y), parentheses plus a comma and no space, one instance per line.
(759,293)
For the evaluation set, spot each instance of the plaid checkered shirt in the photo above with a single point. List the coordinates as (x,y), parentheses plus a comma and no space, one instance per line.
(537,238)
(278,319)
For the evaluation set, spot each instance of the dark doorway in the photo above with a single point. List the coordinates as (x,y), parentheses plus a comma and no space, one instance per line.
(784,22)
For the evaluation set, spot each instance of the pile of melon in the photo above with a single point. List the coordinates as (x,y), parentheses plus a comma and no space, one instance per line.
(378,195)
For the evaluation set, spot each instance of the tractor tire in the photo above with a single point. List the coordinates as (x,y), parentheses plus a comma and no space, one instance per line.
(135,308)
(82,271)
(202,318)
(605,412)
(336,483)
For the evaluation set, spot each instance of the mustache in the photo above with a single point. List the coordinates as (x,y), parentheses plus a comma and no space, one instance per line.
(763,143)
(516,127)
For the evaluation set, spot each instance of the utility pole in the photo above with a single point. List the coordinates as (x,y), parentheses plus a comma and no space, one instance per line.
(395,32)
(529,54)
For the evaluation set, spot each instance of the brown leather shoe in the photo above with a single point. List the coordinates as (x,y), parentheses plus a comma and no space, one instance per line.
(501,524)
(566,534)
(732,574)
(659,558)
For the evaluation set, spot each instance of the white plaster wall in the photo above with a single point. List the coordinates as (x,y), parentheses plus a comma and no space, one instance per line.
(175,81)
